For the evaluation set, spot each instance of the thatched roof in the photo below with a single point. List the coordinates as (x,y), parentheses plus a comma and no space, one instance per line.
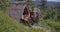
(17,1)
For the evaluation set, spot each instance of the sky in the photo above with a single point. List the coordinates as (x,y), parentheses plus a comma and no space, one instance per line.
(49,0)
(54,0)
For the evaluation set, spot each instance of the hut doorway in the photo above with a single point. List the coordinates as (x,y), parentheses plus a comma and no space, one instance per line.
(26,14)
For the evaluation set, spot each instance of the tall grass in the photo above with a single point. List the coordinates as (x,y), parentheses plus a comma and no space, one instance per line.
(8,24)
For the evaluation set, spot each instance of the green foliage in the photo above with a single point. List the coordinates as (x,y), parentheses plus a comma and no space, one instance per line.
(34,30)
(9,25)
(49,18)
(31,6)
(4,4)
(49,13)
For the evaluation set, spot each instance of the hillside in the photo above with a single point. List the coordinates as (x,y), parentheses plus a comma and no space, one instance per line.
(8,24)
(48,19)
(49,3)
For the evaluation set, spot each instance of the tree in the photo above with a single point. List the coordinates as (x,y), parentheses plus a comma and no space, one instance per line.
(43,3)
(4,4)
